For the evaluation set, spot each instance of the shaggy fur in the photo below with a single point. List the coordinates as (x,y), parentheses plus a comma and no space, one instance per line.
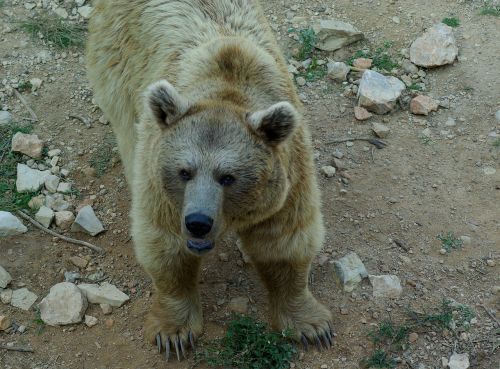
(229,106)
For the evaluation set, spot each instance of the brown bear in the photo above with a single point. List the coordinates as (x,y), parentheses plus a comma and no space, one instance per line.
(211,135)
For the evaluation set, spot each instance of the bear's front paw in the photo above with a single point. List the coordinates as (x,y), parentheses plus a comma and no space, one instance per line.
(173,334)
(311,323)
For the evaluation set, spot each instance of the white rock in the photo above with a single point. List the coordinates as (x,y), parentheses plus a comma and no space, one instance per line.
(64,187)
(23,298)
(489,171)
(5,277)
(90,321)
(55,152)
(64,219)
(27,144)
(51,183)
(44,216)
(328,171)
(65,304)
(338,70)
(36,83)
(380,130)
(86,221)
(57,203)
(386,286)
(497,116)
(106,309)
(30,180)
(379,93)
(459,361)
(85,11)
(350,270)
(10,225)
(79,2)
(61,12)
(333,34)
(435,47)
(104,294)
(6,296)
(5,118)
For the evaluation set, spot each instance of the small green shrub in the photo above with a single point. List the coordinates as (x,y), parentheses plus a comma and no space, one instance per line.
(452,21)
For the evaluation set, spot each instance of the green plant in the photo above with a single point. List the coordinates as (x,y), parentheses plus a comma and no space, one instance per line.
(101,157)
(379,359)
(54,29)
(25,86)
(307,39)
(248,344)
(10,199)
(452,21)
(489,9)
(314,71)
(415,87)
(496,143)
(381,57)
(450,242)
(38,322)
(451,315)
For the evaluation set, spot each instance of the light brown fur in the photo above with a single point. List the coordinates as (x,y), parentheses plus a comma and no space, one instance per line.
(225,62)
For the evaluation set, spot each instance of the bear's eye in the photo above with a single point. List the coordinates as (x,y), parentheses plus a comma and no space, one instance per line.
(185,175)
(227,180)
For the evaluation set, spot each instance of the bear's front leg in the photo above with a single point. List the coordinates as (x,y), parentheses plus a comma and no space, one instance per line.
(292,305)
(175,319)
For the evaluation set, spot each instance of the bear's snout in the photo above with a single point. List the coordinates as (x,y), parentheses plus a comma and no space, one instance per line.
(198,224)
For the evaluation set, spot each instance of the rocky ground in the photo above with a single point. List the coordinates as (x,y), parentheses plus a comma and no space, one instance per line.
(408,159)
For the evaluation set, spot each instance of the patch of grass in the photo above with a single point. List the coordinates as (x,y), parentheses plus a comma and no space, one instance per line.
(2,3)
(54,29)
(39,323)
(101,158)
(379,359)
(248,344)
(450,242)
(10,199)
(314,71)
(452,21)
(452,315)
(25,86)
(415,87)
(307,39)
(381,57)
(496,143)
(489,9)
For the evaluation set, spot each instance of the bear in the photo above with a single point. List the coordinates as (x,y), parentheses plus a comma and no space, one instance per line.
(213,142)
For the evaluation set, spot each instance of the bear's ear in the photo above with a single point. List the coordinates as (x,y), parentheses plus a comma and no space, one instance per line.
(165,103)
(276,123)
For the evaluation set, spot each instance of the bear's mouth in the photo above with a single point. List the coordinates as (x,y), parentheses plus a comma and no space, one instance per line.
(200,247)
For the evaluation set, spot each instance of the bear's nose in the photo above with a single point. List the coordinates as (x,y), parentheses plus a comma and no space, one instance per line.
(198,224)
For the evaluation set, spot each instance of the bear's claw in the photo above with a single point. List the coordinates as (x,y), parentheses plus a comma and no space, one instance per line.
(321,340)
(178,345)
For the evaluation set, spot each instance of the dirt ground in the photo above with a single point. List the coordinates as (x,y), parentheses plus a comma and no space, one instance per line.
(412,190)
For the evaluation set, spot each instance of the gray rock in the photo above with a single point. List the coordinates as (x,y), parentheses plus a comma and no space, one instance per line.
(459,361)
(64,187)
(497,115)
(386,286)
(64,219)
(85,11)
(435,47)
(5,277)
(10,225)
(350,270)
(30,180)
(71,277)
(65,304)
(5,118)
(27,144)
(239,305)
(328,171)
(6,296)
(61,12)
(44,216)
(86,221)
(51,183)
(379,93)
(380,130)
(338,70)
(57,203)
(90,321)
(334,34)
(409,67)
(104,294)
(23,298)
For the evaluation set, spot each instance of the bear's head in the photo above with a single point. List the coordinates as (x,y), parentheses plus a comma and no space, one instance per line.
(221,166)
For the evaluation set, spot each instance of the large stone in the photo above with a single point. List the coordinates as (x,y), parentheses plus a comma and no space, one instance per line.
(378,93)
(459,361)
(86,221)
(10,225)
(337,70)
(104,294)
(64,219)
(423,105)
(44,216)
(23,298)
(30,180)
(65,304)
(333,34)
(435,47)
(380,130)
(386,286)
(27,144)
(5,118)
(51,183)
(5,277)
(350,270)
